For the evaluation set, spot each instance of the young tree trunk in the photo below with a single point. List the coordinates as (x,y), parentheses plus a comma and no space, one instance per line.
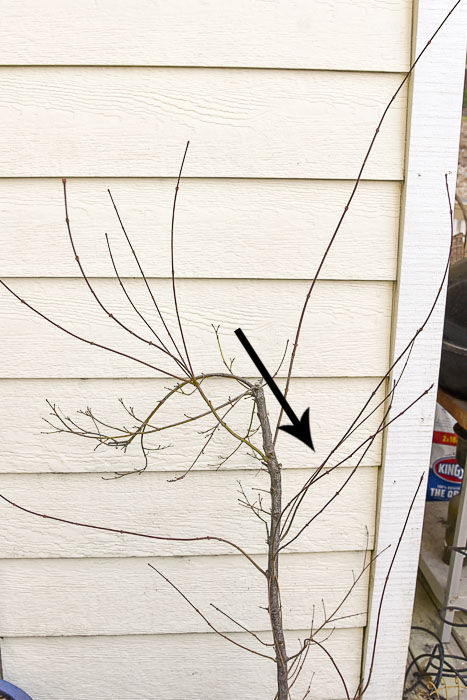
(274,600)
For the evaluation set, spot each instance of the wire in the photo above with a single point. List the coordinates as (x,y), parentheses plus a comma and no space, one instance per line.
(440,663)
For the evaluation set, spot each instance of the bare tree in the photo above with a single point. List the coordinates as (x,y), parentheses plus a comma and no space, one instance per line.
(257,437)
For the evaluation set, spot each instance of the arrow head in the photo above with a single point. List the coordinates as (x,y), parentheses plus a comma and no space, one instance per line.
(301,430)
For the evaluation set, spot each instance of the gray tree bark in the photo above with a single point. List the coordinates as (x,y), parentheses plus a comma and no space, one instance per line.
(274,600)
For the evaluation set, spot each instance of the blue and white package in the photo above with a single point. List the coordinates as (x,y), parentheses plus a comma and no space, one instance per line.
(445,475)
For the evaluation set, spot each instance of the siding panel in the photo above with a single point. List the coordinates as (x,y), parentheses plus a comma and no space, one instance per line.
(169,667)
(101,587)
(242,123)
(26,449)
(370,34)
(204,503)
(225,228)
(346,331)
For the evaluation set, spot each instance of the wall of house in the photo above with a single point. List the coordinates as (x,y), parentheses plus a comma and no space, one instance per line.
(279,100)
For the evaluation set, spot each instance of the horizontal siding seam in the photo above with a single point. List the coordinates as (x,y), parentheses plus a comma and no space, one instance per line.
(253,468)
(333,280)
(247,178)
(110,66)
(142,377)
(243,280)
(173,557)
(152,634)
(143,635)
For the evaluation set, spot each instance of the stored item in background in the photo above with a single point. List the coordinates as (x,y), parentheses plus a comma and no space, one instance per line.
(453,370)
(445,476)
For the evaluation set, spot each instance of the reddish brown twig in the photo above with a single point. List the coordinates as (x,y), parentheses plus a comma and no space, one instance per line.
(371,437)
(90,286)
(319,473)
(156,306)
(85,340)
(297,498)
(347,205)
(133,533)
(338,671)
(359,694)
(209,624)
(239,624)
(172,258)
(161,347)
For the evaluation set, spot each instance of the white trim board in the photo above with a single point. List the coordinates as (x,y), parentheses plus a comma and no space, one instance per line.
(433,127)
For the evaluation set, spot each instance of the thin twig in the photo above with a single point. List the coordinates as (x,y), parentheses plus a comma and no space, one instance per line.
(406,351)
(346,207)
(371,437)
(88,283)
(339,672)
(359,694)
(84,340)
(144,277)
(239,624)
(209,624)
(161,347)
(134,533)
(172,258)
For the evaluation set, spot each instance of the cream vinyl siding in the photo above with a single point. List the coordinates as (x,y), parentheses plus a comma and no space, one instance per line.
(279,101)
(22,408)
(82,495)
(242,122)
(250,33)
(226,228)
(78,666)
(351,321)
(76,584)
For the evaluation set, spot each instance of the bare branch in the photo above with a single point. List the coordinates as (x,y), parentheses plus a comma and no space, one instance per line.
(144,277)
(172,259)
(85,340)
(359,694)
(91,288)
(332,660)
(371,437)
(209,624)
(134,533)
(161,347)
(239,624)
(349,201)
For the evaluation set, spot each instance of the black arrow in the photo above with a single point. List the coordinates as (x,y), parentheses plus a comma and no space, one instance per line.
(300,427)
